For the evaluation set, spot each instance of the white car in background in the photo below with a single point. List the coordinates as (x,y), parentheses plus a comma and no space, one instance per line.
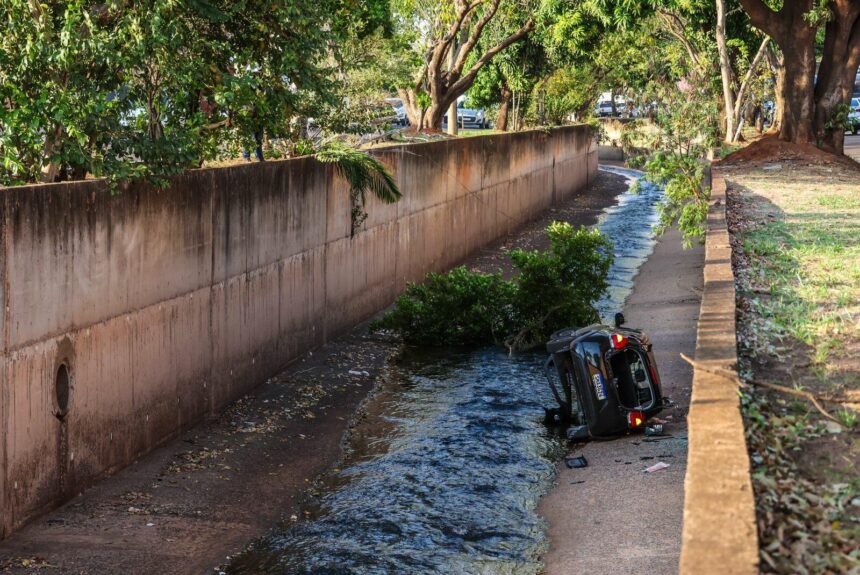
(854,115)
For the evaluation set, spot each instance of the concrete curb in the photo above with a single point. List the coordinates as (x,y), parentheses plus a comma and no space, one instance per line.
(719,534)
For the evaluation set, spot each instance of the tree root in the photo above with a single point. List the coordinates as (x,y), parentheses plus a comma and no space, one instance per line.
(732,376)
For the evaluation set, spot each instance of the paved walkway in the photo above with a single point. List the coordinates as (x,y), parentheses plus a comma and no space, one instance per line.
(611,517)
(852,146)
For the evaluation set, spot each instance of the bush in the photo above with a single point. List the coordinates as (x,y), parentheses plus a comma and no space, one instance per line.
(555,289)
(456,308)
(558,288)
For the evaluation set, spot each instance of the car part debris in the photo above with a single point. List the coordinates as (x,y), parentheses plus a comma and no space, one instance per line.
(654,430)
(576,462)
(578,433)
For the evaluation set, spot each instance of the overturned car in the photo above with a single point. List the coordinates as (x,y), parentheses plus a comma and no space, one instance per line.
(603,378)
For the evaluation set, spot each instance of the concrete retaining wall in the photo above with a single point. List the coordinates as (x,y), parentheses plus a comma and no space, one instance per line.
(167,304)
(720,535)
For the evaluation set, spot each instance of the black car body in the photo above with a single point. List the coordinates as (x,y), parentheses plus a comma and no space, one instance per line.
(604,378)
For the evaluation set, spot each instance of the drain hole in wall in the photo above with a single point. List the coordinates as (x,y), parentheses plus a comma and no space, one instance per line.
(62,388)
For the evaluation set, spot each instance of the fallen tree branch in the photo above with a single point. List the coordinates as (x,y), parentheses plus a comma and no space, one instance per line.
(732,376)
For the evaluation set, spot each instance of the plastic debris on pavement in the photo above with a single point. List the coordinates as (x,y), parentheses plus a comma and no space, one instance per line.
(657,467)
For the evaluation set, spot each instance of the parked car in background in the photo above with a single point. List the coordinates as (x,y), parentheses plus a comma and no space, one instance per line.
(854,115)
(469,117)
(603,109)
(401,119)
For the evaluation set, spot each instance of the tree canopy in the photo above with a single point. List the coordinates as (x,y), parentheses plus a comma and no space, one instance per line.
(124,89)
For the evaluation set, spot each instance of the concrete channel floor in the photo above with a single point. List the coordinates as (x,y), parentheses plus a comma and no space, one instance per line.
(612,517)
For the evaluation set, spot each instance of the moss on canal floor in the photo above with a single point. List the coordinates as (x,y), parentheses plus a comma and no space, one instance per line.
(795,224)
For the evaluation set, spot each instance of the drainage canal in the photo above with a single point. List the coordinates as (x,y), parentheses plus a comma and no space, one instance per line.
(444,470)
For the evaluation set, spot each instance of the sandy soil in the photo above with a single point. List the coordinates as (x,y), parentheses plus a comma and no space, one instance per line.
(190,504)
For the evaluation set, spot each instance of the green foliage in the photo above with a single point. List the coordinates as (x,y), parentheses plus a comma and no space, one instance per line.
(555,289)
(364,174)
(686,199)
(460,307)
(558,288)
(686,129)
(148,89)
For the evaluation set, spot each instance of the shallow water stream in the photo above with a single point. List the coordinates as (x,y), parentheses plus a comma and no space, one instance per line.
(445,467)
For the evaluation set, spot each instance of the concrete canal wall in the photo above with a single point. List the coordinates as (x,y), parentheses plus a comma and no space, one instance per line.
(130,316)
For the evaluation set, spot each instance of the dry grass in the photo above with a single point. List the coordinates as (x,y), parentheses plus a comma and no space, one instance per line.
(795,223)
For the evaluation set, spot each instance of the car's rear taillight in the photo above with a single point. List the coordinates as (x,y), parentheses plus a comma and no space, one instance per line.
(635,419)
(654,377)
(618,341)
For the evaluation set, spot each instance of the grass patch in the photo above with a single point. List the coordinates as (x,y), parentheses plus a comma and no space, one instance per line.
(796,239)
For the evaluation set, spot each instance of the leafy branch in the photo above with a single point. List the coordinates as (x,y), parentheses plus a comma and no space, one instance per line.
(364,173)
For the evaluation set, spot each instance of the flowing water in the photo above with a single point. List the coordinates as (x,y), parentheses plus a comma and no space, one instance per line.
(443,471)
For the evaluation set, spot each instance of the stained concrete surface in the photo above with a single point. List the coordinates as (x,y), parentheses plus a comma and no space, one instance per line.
(612,517)
(165,305)
(183,508)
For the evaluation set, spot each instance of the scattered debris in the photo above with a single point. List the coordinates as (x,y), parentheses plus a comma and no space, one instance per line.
(654,430)
(657,438)
(576,462)
(578,432)
(833,427)
(657,467)
(356,372)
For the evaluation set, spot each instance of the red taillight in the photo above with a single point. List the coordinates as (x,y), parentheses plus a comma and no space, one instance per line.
(654,377)
(635,419)
(618,341)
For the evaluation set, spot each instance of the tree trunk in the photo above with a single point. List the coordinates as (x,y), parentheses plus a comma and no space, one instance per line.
(796,37)
(836,73)
(50,170)
(725,72)
(775,61)
(504,109)
(445,75)
(434,115)
(452,108)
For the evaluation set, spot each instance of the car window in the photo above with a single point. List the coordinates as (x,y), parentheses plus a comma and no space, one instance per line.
(855,103)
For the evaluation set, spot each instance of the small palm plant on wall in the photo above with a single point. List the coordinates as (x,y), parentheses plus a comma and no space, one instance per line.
(364,174)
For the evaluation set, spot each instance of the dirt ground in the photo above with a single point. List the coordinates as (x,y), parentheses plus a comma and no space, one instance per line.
(189,505)
(612,517)
(794,219)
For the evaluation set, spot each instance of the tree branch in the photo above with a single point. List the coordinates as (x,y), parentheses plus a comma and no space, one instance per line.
(463,83)
(467,47)
(763,18)
(745,84)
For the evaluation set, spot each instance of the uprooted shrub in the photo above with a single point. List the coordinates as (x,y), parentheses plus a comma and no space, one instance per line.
(555,289)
